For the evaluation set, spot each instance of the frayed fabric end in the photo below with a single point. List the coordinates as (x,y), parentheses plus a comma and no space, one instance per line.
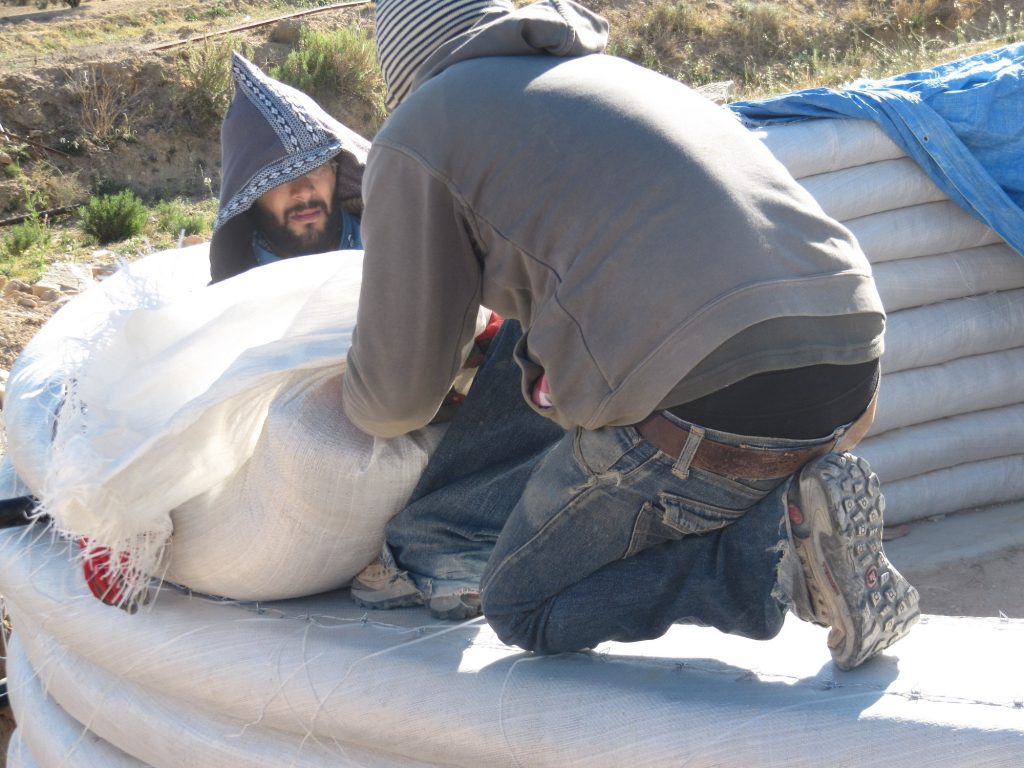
(788,575)
(121,576)
(790,582)
(121,543)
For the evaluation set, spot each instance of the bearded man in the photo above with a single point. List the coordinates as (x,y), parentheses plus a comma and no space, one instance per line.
(291,177)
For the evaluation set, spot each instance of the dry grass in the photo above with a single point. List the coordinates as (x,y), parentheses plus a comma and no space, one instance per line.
(134,22)
(772,47)
(109,102)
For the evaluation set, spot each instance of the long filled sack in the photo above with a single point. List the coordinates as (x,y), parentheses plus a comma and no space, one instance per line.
(155,404)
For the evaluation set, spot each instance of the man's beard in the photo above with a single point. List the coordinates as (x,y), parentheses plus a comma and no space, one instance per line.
(286,243)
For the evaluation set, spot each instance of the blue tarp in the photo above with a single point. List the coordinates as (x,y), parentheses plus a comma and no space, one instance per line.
(963,122)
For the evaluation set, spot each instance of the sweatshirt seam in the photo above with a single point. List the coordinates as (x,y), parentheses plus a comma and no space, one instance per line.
(569,36)
(641,368)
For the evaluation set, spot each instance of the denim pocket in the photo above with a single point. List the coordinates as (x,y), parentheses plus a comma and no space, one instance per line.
(674,517)
(608,451)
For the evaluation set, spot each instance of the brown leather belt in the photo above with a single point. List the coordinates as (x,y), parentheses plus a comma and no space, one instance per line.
(750,462)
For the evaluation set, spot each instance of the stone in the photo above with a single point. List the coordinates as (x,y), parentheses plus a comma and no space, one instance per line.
(287,32)
(27,302)
(718,92)
(100,271)
(67,276)
(45,293)
(192,240)
(16,286)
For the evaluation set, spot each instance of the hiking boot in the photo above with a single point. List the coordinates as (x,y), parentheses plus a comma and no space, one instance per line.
(455,607)
(835,516)
(381,585)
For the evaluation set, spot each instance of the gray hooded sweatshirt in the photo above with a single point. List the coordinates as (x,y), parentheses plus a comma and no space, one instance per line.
(652,248)
(273,134)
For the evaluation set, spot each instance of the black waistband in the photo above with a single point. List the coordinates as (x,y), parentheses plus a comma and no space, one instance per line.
(799,403)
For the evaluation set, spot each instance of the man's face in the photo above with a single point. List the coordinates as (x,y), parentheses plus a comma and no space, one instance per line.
(299,217)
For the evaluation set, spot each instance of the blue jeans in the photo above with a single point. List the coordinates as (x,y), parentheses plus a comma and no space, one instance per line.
(615,540)
(447,531)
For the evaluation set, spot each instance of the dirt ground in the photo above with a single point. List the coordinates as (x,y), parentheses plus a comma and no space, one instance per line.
(17,326)
(990,586)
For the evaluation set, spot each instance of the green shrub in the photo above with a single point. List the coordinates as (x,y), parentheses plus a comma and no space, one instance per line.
(69,145)
(334,66)
(103,186)
(113,217)
(19,238)
(205,84)
(172,217)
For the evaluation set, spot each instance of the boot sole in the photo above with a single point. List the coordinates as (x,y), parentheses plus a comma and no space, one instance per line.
(854,588)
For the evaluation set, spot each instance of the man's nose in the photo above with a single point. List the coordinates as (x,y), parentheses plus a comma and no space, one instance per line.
(301,187)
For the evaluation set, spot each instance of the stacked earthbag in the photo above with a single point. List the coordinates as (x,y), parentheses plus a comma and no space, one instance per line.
(949,433)
(196,430)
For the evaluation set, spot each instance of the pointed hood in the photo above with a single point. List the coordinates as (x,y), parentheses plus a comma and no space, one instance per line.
(417,39)
(273,134)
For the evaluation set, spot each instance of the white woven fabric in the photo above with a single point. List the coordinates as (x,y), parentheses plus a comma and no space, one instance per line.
(892,183)
(46,735)
(312,501)
(946,442)
(919,230)
(960,386)
(62,345)
(941,332)
(961,487)
(312,682)
(219,402)
(931,279)
(11,485)
(812,147)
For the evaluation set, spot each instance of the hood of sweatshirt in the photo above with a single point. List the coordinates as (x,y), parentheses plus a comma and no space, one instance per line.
(271,135)
(417,39)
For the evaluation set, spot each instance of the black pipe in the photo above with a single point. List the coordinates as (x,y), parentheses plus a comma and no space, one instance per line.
(17,511)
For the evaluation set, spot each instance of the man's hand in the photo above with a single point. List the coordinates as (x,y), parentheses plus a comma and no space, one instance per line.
(460,387)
